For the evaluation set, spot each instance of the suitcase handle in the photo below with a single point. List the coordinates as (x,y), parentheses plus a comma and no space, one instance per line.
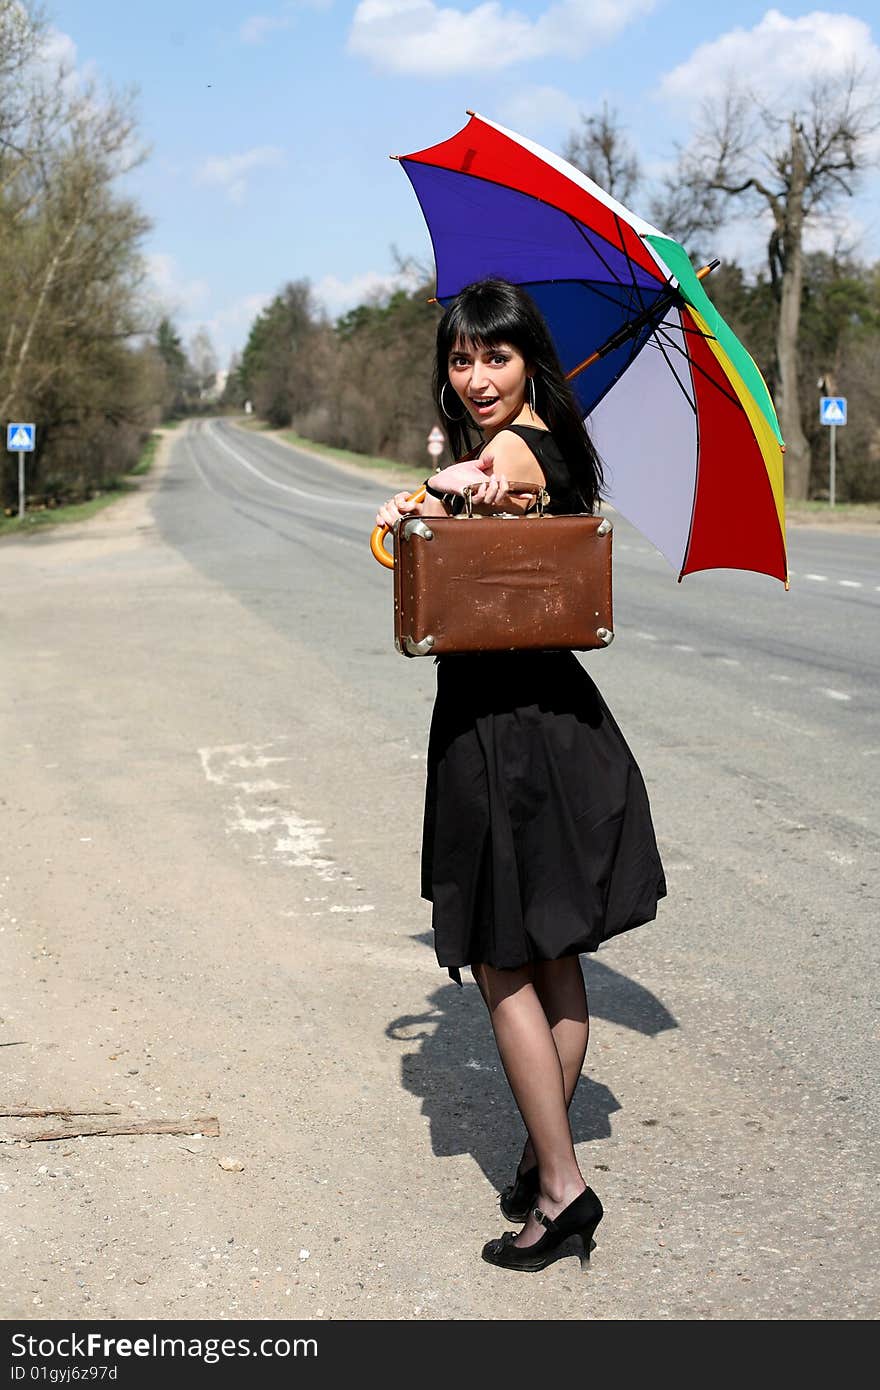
(377,538)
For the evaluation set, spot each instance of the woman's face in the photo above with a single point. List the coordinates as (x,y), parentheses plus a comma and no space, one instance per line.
(491,382)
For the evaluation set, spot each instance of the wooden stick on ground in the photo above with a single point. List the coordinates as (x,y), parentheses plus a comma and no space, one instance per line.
(209,1126)
(36,1114)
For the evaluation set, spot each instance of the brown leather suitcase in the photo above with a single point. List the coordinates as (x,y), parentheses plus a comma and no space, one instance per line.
(502,583)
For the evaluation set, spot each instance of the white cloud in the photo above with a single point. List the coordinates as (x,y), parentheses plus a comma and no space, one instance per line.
(228,328)
(778,60)
(54,67)
(336,296)
(230,171)
(838,234)
(55,71)
(777,55)
(421,37)
(258,27)
(57,50)
(175,293)
(538,109)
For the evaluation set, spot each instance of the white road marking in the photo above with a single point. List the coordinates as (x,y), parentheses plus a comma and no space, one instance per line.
(844,583)
(359,907)
(838,858)
(683,647)
(729,660)
(281,833)
(219,763)
(777,717)
(774,676)
(340,540)
(833,694)
(645,636)
(362,503)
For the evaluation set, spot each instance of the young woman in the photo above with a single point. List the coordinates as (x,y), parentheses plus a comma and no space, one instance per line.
(538,843)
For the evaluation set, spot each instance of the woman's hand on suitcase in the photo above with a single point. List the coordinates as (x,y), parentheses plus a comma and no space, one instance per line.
(495,488)
(397,506)
(475,474)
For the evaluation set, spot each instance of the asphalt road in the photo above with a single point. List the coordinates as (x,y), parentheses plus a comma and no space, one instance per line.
(757,710)
(213,791)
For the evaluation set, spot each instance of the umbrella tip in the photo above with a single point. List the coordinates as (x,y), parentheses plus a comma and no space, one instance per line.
(432,300)
(707,269)
(395,156)
(469,112)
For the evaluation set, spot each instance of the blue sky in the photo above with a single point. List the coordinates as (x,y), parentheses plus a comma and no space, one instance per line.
(270,121)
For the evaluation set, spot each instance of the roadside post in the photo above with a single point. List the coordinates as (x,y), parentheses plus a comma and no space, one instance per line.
(436,442)
(832,412)
(20,439)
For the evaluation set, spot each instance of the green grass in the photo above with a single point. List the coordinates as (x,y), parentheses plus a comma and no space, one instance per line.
(148,454)
(843,511)
(54,516)
(349,456)
(251,422)
(39,518)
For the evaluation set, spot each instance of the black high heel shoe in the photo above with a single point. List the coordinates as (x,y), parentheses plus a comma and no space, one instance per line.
(580,1218)
(517,1200)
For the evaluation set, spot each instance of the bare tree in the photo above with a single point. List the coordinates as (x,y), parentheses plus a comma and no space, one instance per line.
(798,167)
(203,361)
(601,150)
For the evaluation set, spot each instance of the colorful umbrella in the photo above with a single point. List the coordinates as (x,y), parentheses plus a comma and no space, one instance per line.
(676,407)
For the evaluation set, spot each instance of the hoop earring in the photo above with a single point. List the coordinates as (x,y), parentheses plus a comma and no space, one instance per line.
(532,401)
(443,405)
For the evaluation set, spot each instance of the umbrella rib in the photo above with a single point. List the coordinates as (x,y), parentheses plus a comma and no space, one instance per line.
(695,366)
(636,286)
(637,343)
(661,347)
(592,285)
(582,232)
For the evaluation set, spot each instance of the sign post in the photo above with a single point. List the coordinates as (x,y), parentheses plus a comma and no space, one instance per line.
(436,441)
(832,412)
(21,439)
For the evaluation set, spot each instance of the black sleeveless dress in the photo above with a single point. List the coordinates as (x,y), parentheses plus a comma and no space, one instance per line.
(537,841)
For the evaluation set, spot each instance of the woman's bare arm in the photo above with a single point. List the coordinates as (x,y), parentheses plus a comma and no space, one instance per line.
(509,458)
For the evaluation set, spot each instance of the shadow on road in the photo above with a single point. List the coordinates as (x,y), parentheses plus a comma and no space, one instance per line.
(458,1075)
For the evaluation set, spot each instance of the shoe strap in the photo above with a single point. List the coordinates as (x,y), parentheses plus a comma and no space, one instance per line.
(542,1219)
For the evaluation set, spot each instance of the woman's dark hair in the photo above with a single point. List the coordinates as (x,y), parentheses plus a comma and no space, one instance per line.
(493,311)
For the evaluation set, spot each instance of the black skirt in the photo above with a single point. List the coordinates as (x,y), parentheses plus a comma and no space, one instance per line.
(538,841)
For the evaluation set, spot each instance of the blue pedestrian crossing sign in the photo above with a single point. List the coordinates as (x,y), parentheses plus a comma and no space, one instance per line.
(832,410)
(20,439)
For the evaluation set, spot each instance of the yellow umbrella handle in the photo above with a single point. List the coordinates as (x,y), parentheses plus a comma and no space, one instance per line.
(377,539)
